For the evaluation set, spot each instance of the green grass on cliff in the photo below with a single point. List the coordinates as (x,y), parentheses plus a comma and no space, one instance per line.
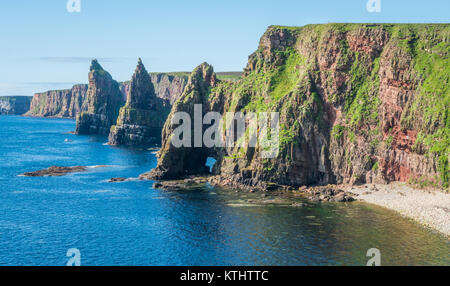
(362,105)
(429,110)
(433,103)
(285,79)
(285,83)
(270,86)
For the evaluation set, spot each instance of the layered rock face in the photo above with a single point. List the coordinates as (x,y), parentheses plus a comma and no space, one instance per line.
(167,86)
(14,105)
(103,102)
(67,103)
(357,102)
(141,119)
(59,103)
(179,162)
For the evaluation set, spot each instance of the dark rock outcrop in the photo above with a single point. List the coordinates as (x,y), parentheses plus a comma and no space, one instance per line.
(358,103)
(14,105)
(168,86)
(141,119)
(55,171)
(103,102)
(59,103)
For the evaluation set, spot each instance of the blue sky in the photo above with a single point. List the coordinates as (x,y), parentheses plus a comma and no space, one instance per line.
(43,46)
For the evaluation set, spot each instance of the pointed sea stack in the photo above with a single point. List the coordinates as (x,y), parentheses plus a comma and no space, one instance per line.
(356,106)
(141,120)
(103,102)
(180,162)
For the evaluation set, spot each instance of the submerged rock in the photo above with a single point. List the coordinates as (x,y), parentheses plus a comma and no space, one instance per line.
(329,193)
(178,185)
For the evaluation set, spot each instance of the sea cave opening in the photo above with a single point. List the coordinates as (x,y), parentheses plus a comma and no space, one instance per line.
(210,161)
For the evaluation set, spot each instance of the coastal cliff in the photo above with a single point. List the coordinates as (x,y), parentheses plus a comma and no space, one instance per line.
(176,162)
(358,103)
(59,103)
(14,105)
(168,86)
(67,103)
(141,119)
(103,101)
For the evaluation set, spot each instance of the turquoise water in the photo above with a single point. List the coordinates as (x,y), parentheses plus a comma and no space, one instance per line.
(132,224)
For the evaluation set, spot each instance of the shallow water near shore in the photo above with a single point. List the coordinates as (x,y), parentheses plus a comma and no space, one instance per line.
(130,223)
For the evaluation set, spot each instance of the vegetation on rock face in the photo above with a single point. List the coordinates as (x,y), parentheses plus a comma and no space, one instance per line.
(357,102)
(429,110)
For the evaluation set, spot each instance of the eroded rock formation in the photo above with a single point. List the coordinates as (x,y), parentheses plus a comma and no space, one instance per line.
(180,162)
(103,102)
(68,102)
(358,103)
(141,119)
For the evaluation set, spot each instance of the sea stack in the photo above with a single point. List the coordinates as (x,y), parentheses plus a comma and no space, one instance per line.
(103,102)
(141,120)
(176,162)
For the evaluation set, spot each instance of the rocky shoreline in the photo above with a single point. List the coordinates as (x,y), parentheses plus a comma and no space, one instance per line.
(427,207)
(329,193)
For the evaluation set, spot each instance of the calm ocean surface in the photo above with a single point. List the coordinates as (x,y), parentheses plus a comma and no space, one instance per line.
(132,224)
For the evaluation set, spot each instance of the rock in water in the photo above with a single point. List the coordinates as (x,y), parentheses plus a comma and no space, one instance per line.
(141,119)
(356,106)
(55,171)
(117,180)
(59,103)
(103,102)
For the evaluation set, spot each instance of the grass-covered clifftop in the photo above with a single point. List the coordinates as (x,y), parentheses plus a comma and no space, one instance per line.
(357,102)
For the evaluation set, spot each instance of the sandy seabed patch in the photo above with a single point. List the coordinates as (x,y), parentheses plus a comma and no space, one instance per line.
(428,207)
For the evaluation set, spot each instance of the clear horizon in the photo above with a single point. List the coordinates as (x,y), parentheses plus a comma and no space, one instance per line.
(45,47)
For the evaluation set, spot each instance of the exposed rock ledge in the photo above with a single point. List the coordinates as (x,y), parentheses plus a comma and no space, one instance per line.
(55,171)
(330,193)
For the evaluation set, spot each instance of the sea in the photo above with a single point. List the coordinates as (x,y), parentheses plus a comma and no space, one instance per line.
(45,220)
